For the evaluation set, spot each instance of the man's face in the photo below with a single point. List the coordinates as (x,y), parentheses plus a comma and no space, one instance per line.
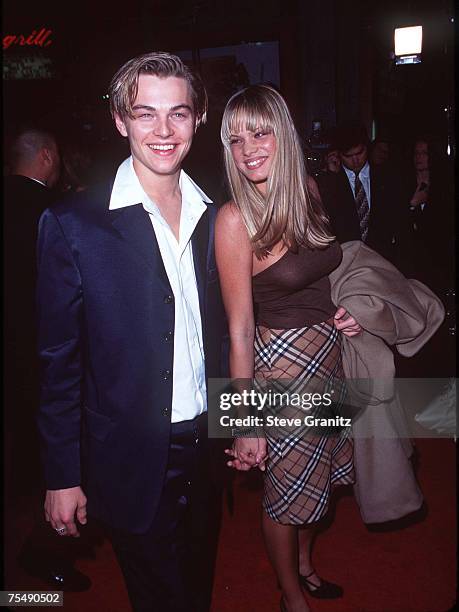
(355,158)
(162,128)
(380,152)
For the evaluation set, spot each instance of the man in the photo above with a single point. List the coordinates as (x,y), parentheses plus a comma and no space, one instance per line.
(363,201)
(380,152)
(34,169)
(130,326)
(34,165)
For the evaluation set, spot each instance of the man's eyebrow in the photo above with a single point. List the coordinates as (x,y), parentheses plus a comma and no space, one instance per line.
(152,108)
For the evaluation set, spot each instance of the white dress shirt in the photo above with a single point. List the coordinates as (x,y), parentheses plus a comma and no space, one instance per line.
(189,383)
(364,176)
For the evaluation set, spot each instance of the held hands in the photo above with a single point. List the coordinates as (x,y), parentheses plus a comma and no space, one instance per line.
(247,453)
(345,323)
(60,508)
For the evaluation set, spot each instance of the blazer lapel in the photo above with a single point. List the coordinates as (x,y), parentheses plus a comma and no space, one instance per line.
(199,241)
(134,225)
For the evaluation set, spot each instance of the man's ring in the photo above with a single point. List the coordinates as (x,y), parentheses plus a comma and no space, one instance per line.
(61,530)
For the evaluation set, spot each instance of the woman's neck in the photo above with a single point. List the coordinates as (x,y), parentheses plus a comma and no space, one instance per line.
(422,176)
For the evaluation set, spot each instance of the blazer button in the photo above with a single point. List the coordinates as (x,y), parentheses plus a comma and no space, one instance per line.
(168,299)
(165,412)
(168,336)
(166,374)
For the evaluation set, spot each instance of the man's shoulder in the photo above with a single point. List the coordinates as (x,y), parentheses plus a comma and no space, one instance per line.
(387,172)
(22,194)
(16,184)
(95,199)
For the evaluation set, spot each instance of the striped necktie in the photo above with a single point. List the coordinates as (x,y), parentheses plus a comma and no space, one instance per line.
(363,210)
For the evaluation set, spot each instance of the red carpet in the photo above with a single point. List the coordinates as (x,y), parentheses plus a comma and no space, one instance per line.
(410,569)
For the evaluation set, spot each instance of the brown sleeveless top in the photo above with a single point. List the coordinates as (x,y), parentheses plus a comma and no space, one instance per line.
(295,290)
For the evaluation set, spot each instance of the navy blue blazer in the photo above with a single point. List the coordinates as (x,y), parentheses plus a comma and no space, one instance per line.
(106,344)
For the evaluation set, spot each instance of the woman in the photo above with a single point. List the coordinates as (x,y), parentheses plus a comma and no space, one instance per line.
(427,241)
(272,242)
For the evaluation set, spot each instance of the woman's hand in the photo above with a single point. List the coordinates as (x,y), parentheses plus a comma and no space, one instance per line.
(247,453)
(345,323)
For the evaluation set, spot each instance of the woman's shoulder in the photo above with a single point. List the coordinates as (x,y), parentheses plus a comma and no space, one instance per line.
(230,227)
(228,207)
(230,216)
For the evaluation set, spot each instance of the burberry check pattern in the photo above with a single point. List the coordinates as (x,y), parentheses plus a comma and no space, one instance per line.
(301,470)
(363,210)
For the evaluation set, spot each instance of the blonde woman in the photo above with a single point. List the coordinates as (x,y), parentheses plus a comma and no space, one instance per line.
(274,252)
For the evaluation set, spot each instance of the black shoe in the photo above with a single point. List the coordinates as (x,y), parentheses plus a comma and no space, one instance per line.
(62,576)
(326,590)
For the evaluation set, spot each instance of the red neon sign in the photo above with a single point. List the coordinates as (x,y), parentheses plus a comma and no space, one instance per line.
(38,39)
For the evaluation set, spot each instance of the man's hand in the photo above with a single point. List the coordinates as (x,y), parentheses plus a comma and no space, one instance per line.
(60,508)
(247,453)
(345,323)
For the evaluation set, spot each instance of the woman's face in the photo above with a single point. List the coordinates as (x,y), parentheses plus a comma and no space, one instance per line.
(253,154)
(421,155)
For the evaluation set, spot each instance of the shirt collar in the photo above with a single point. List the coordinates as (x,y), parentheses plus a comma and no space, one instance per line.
(364,172)
(127,190)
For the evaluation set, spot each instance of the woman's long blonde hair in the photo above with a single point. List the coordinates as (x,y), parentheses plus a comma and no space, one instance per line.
(287,213)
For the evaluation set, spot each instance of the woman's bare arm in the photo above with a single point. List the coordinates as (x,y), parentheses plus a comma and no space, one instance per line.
(234,257)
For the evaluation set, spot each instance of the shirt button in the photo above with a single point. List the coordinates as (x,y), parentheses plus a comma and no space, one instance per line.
(166,374)
(168,299)
(168,336)
(165,412)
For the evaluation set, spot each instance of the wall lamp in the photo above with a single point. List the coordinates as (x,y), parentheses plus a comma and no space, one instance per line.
(408,45)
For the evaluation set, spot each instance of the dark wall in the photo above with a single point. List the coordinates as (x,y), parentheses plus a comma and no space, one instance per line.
(334,57)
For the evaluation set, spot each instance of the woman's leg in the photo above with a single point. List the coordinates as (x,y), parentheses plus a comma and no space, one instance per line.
(282,546)
(316,586)
(306,537)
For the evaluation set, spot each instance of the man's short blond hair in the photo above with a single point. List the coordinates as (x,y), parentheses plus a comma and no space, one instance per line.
(124,85)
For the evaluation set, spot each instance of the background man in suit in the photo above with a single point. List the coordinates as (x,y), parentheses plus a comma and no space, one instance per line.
(363,201)
(130,326)
(34,165)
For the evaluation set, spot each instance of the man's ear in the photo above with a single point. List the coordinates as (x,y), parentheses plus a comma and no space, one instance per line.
(120,125)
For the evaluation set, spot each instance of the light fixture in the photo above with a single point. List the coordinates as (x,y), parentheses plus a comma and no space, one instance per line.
(408,45)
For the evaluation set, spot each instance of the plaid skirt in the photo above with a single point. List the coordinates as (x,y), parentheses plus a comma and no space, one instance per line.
(301,470)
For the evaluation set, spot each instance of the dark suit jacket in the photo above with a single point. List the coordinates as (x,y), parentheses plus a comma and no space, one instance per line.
(386,209)
(24,200)
(106,338)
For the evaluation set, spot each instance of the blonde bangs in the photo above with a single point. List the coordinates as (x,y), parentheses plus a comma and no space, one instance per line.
(245,115)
